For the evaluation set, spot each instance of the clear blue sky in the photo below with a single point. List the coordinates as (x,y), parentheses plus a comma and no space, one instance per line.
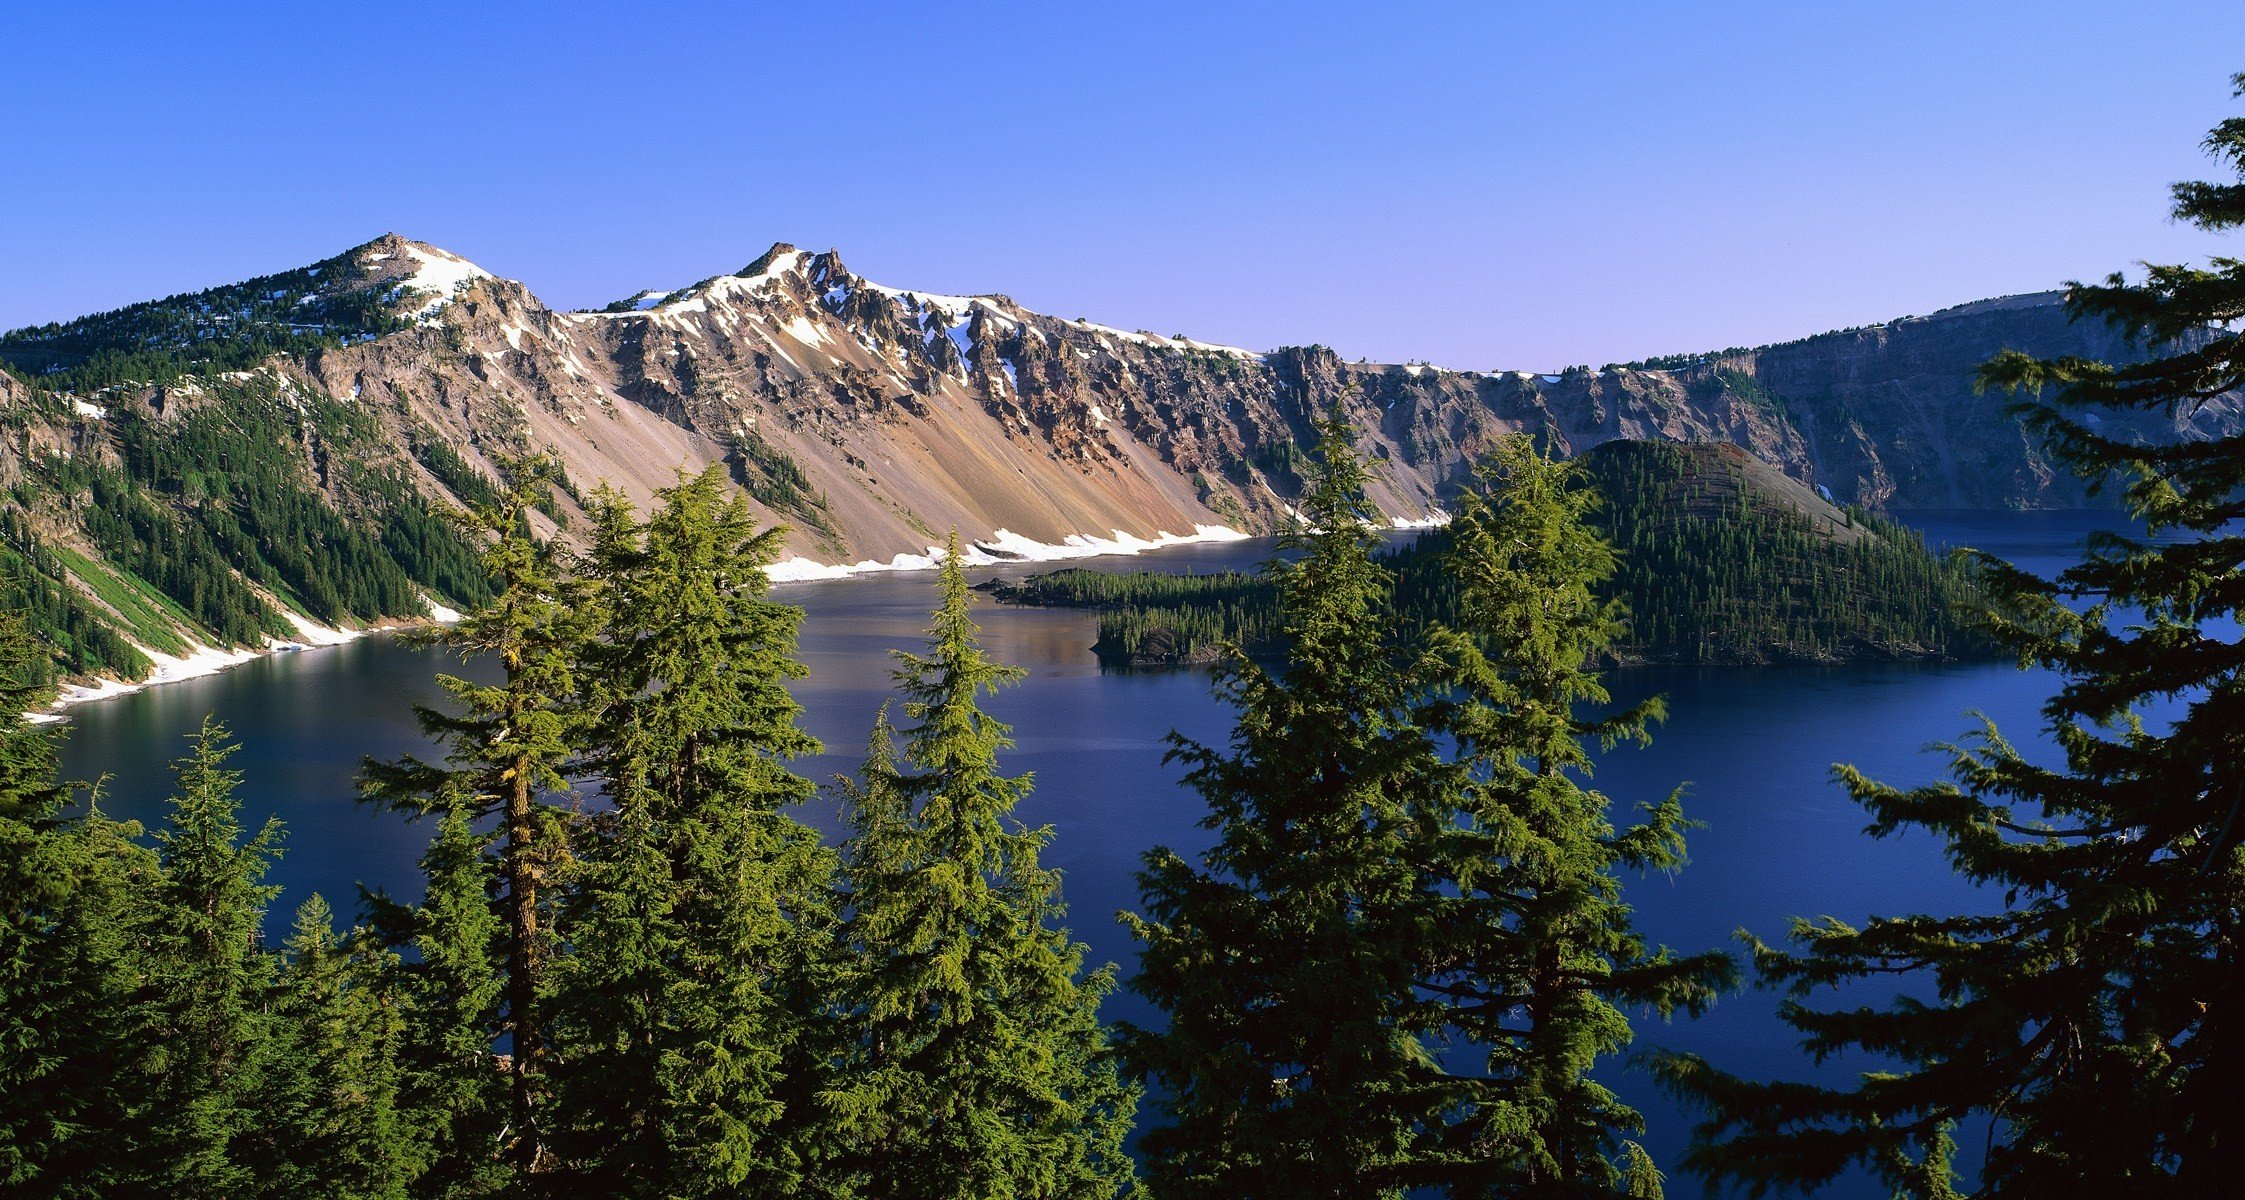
(1478,185)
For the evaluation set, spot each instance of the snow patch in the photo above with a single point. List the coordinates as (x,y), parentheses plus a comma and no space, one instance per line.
(440,273)
(1434,519)
(83,409)
(1002,547)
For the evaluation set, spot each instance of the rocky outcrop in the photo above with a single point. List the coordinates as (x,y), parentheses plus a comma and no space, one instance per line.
(870,418)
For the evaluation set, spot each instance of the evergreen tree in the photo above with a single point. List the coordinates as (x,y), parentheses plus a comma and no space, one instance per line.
(333,1123)
(453,1089)
(75,920)
(1531,953)
(2097,1021)
(700,903)
(1284,960)
(212,979)
(506,752)
(978,1069)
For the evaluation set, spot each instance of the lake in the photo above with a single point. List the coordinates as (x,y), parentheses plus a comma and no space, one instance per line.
(1754,746)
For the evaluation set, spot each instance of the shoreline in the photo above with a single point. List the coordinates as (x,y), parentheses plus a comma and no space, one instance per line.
(202,661)
(1002,547)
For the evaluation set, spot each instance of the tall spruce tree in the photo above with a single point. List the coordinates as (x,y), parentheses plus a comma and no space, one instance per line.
(1285,958)
(452,1088)
(333,1121)
(978,1069)
(2097,1022)
(1532,954)
(699,902)
(76,919)
(506,752)
(212,980)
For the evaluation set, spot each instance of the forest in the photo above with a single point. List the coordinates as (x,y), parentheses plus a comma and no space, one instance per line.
(1400,967)
(248,499)
(1715,566)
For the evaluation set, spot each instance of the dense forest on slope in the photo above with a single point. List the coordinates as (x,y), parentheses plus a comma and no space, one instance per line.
(1722,560)
(197,512)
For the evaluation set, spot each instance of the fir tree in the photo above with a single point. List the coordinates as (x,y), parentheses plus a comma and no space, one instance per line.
(75,921)
(700,902)
(1531,952)
(212,979)
(333,1123)
(978,1070)
(506,752)
(1284,959)
(452,1087)
(2097,1021)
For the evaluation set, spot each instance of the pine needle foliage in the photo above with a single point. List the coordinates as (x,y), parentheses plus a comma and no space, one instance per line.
(1284,957)
(979,1069)
(77,911)
(2096,1022)
(699,902)
(212,980)
(508,749)
(1531,952)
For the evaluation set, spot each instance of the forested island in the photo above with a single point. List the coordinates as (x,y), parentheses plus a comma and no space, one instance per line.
(1722,560)
(1400,965)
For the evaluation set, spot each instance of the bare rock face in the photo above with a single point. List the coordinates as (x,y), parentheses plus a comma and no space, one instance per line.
(870,418)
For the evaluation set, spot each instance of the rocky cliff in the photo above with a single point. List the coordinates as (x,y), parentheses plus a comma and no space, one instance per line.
(871,418)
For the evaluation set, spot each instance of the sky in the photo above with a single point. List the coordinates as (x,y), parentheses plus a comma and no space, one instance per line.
(1487,186)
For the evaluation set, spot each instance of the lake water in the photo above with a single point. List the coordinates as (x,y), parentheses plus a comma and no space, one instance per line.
(1754,746)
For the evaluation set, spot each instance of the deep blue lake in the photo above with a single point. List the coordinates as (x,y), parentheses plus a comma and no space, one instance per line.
(1754,746)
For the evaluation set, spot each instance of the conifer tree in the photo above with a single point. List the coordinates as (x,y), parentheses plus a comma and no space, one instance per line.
(212,979)
(1532,953)
(75,922)
(452,1087)
(1284,958)
(700,902)
(507,749)
(978,1069)
(2097,1021)
(332,1120)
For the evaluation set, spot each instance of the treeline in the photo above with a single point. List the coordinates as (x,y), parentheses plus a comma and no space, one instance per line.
(208,333)
(248,489)
(1401,966)
(678,991)
(1710,571)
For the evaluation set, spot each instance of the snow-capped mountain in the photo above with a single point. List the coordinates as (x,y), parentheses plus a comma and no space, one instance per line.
(371,390)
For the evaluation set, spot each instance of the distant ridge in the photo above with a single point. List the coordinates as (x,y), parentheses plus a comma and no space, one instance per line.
(343,405)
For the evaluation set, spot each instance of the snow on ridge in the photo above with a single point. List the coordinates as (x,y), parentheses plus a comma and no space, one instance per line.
(1168,343)
(1434,519)
(1009,547)
(440,272)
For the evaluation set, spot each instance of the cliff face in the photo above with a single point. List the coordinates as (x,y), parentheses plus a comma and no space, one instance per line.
(870,419)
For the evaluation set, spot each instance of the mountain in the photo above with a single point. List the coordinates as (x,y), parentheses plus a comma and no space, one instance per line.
(1723,560)
(280,451)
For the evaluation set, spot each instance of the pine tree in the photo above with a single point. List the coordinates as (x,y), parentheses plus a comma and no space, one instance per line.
(1531,951)
(2098,1020)
(452,1088)
(75,922)
(700,902)
(212,978)
(507,750)
(333,1125)
(978,1069)
(1284,960)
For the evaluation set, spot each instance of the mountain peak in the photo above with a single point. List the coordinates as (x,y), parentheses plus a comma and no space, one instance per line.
(778,260)
(437,274)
